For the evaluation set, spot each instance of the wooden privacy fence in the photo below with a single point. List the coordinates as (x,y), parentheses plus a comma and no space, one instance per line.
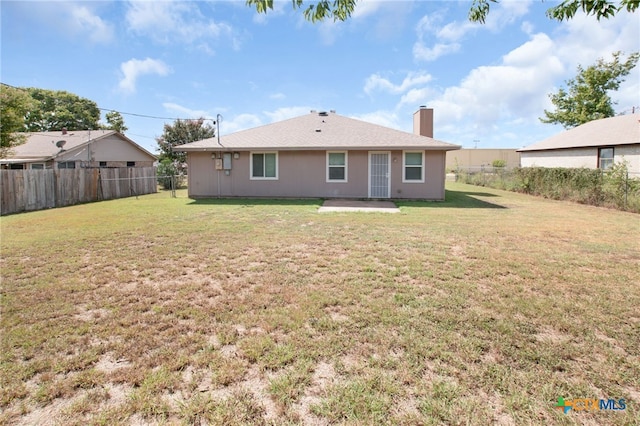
(28,190)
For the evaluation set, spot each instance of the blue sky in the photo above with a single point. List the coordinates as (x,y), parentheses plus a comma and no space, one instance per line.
(488,84)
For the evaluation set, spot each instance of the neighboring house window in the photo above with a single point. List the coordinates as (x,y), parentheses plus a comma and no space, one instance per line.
(103,164)
(336,166)
(37,166)
(264,165)
(16,166)
(67,165)
(413,164)
(131,163)
(605,158)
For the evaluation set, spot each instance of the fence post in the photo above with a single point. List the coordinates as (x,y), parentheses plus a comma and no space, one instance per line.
(173,185)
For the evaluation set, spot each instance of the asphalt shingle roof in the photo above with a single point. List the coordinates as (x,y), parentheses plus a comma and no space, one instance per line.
(43,144)
(619,130)
(316,131)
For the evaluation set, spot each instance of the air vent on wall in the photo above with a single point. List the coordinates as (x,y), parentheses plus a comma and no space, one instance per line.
(323,113)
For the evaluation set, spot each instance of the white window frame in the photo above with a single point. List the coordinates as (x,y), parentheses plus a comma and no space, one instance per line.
(404,167)
(251,177)
(346,167)
(44,166)
(610,161)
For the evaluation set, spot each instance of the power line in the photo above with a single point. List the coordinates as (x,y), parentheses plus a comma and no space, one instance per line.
(155,117)
(127,113)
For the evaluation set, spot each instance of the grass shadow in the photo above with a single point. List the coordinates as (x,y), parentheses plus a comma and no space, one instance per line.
(458,200)
(252,202)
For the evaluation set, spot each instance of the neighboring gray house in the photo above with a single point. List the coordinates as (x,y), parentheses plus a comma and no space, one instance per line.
(596,144)
(321,155)
(77,149)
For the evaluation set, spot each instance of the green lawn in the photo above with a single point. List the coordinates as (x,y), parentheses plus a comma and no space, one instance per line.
(485,308)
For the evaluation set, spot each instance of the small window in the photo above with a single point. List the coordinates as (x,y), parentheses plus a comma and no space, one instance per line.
(67,165)
(103,164)
(605,158)
(264,165)
(37,166)
(131,163)
(336,166)
(16,166)
(413,167)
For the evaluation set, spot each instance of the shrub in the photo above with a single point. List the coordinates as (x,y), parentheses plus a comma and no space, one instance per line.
(612,188)
(168,171)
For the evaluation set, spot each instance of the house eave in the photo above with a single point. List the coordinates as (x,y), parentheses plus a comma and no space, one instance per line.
(25,160)
(319,148)
(587,146)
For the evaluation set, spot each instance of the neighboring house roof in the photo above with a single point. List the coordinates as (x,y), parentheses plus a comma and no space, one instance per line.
(44,146)
(619,130)
(324,131)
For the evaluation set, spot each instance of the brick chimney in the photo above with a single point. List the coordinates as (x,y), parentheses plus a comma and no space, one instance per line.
(423,122)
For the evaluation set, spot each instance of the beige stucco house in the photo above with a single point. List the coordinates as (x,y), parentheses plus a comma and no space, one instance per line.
(596,144)
(77,149)
(473,159)
(321,155)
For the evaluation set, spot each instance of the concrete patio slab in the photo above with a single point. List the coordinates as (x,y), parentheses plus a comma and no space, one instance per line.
(343,205)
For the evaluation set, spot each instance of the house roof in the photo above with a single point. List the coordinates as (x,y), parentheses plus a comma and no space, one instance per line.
(619,130)
(318,131)
(44,146)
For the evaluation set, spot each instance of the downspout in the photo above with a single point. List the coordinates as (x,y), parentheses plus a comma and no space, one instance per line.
(218,118)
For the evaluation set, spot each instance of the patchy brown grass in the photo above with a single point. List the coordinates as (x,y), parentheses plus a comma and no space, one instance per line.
(482,309)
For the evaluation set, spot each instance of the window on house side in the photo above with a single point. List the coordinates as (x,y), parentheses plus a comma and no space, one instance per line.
(605,158)
(336,166)
(413,167)
(67,165)
(37,166)
(131,163)
(103,164)
(264,165)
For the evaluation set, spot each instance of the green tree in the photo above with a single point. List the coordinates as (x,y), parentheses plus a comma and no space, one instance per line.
(174,163)
(57,109)
(14,105)
(115,121)
(587,96)
(179,133)
(341,10)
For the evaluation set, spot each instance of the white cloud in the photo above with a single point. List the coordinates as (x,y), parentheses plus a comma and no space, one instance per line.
(434,41)
(382,118)
(500,104)
(376,82)
(134,68)
(238,123)
(174,21)
(415,97)
(184,112)
(516,87)
(427,54)
(85,22)
(287,112)
(75,20)
(366,8)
